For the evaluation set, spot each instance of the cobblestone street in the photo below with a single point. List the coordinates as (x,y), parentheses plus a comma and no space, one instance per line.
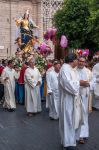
(19,132)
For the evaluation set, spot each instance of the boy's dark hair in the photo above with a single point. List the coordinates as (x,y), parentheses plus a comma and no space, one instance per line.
(10,62)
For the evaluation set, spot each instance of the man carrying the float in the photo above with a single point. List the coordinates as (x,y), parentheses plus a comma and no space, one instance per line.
(95,72)
(53,91)
(85,75)
(32,89)
(69,84)
(8,79)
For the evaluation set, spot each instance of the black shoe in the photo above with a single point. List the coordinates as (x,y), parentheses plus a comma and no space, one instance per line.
(85,139)
(95,109)
(71,148)
(52,118)
(21,103)
(11,110)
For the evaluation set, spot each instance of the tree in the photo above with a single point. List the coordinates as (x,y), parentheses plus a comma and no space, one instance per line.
(93,26)
(74,20)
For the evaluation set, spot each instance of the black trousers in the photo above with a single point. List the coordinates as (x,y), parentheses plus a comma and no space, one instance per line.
(1,91)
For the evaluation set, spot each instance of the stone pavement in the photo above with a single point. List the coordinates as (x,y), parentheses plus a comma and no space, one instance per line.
(19,132)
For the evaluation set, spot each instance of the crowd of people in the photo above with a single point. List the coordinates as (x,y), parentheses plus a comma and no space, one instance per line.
(70,87)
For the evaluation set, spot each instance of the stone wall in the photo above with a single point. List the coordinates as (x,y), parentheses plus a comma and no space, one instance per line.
(10,9)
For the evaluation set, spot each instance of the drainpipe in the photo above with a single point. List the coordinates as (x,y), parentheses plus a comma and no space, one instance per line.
(10,26)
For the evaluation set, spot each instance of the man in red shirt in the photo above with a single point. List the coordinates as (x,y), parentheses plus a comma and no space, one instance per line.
(21,84)
(1,68)
(2,65)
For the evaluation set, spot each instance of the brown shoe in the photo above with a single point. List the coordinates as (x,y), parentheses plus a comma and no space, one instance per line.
(81,141)
(30,114)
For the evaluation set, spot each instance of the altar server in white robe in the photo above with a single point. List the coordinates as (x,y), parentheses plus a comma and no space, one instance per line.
(84,74)
(69,85)
(53,91)
(47,77)
(33,81)
(8,79)
(95,72)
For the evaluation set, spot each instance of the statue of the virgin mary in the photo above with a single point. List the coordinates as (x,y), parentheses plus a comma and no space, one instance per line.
(26,29)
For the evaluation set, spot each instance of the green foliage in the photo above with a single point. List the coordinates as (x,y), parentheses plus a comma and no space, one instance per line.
(40,62)
(93,27)
(78,20)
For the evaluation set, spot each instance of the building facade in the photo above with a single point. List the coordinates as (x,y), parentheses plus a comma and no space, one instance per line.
(41,11)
